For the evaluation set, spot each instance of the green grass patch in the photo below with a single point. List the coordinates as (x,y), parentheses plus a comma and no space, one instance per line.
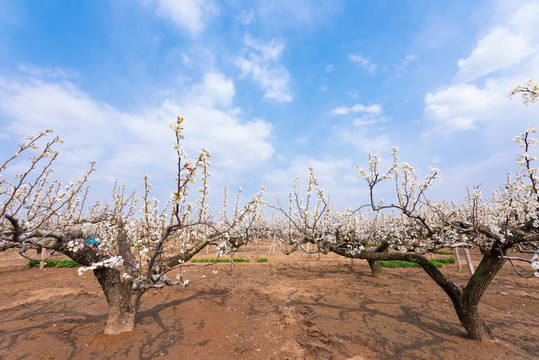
(443,252)
(443,261)
(406,264)
(33,263)
(219,260)
(262,260)
(210,260)
(68,263)
(398,264)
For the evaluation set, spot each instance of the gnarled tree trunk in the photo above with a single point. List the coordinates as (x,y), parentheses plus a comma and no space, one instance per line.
(375,264)
(123,301)
(467,300)
(469,317)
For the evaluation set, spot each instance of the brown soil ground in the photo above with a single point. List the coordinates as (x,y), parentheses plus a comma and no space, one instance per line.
(292,307)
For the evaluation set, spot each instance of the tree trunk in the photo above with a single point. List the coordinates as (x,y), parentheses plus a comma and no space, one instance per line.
(466,304)
(469,317)
(123,302)
(465,300)
(375,268)
(375,264)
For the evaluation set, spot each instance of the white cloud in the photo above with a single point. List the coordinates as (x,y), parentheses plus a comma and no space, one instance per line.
(359,133)
(336,176)
(508,54)
(499,49)
(127,146)
(267,52)
(503,46)
(36,105)
(366,120)
(53,72)
(407,60)
(461,107)
(374,109)
(468,107)
(524,21)
(214,90)
(435,160)
(353,94)
(247,17)
(364,62)
(283,13)
(471,121)
(364,140)
(188,14)
(187,61)
(262,65)
(236,147)
(487,173)
(330,68)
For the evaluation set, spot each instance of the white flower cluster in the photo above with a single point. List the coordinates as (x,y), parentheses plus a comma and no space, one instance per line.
(75,245)
(224,246)
(412,223)
(112,262)
(529,92)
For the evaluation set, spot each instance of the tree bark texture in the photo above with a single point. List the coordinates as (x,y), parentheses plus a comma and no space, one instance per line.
(123,302)
(467,302)
(375,264)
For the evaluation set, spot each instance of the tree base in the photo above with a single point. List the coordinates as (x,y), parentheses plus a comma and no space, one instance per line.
(117,325)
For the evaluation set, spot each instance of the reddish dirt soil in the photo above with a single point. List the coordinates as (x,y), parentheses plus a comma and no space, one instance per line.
(292,307)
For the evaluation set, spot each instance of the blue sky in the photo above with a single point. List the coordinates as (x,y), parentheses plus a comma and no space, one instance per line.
(271,88)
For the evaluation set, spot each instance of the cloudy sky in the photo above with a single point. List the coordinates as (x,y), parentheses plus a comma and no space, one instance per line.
(271,87)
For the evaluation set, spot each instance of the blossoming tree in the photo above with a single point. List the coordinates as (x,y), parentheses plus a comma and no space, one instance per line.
(413,224)
(129,244)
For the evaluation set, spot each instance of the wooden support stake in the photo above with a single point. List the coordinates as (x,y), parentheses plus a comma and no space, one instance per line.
(257,250)
(43,257)
(456,249)
(469,261)
(271,246)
